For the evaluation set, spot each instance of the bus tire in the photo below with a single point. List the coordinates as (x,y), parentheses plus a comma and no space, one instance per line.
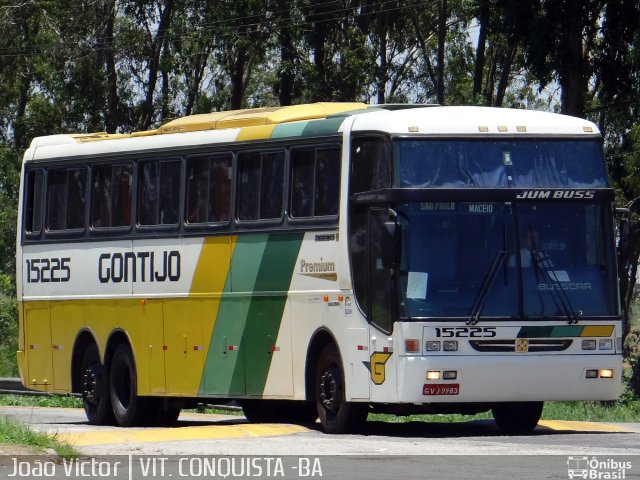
(95,388)
(336,414)
(128,408)
(517,417)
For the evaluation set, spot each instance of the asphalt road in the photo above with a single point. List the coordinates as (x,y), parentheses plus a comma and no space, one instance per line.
(404,450)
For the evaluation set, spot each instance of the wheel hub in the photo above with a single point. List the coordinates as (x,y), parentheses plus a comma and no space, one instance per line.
(89,383)
(328,389)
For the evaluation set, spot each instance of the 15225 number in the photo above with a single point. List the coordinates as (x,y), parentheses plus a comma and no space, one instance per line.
(48,270)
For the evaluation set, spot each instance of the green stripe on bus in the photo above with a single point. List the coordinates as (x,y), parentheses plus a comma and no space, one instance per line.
(221,374)
(265,313)
(247,325)
(322,127)
(549,331)
(283,130)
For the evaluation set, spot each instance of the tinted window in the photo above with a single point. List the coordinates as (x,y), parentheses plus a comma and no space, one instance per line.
(370,165)
(315,181)
(260,185)
(159,192)
(208,189)
(33,203)
(111,195)
(66,198)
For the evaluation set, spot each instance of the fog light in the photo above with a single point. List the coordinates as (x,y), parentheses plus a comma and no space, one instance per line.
(606,373)
(412,345)
(605,344)
(450,346)
(449,375)
(433,375)
(432,346)
(588,344)
(592,374)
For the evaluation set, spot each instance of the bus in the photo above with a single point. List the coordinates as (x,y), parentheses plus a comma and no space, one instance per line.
(324,260)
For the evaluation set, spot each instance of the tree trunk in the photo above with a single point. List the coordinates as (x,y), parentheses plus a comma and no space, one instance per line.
(442,36)
(107,59)
(483,19)
(571,70)
(146,116)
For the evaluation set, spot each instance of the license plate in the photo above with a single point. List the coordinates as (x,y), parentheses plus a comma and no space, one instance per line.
(442,389)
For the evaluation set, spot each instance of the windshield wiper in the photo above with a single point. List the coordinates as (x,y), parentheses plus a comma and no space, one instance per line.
(486,286)
(561,299)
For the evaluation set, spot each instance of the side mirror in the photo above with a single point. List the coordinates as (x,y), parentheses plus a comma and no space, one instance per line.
(391,243)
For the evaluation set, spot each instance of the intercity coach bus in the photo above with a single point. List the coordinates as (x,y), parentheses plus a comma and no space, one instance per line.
(322,260)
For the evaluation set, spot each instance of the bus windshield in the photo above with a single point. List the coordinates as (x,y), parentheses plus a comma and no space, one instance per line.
(456,163)
(534,260)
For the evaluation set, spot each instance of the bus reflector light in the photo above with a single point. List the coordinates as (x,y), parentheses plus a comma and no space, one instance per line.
(412,345)
(605,344)
(591,374)
(450,346)
(589,344)
(433,375)
(432,346)
(606,373)
(449,375)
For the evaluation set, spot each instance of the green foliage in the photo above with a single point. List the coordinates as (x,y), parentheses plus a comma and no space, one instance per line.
(632,357)
(8,333)
(14,433)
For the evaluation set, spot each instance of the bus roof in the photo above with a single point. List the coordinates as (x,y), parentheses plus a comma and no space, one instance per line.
(314,120)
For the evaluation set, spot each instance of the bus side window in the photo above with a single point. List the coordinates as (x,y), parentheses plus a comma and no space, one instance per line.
(33,204)
(315,181)
(159,192)
(208,188)
(260,185)
(370,164)
(66,197)
(111,196)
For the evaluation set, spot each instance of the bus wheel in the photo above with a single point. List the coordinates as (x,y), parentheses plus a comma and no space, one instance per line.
(517,417)
(128,407)
(95,388)
(336,414)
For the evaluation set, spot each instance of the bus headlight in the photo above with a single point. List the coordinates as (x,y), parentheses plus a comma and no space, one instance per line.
(605,344)
(432,346)
(589,344)
(450,346)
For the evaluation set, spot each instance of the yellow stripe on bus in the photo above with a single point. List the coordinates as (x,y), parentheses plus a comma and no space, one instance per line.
(597,331)
(260,132)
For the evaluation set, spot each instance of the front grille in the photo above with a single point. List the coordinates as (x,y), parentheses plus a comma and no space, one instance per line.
(535,345)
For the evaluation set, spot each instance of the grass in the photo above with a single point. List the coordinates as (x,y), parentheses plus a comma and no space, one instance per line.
(616,412)
(65,401)
(14,433)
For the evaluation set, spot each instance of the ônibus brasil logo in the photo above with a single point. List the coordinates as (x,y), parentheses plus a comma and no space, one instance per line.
(597,469)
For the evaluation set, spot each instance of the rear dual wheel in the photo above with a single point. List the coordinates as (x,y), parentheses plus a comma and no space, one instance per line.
(95,388)
(128,408)
(111,394)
